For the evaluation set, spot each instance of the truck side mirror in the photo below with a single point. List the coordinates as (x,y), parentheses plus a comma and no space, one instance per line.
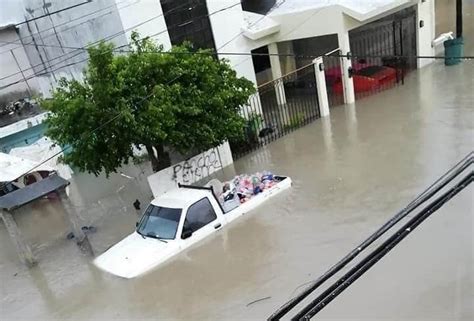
(136,224)
(186,234)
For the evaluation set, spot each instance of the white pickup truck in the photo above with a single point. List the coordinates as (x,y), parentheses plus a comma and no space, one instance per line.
(172,223)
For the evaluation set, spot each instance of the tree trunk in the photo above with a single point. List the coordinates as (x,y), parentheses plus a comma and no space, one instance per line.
(164,160)
(153,158)
(161,160)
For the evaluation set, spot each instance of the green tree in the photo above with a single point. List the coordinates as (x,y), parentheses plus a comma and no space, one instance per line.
(182,99)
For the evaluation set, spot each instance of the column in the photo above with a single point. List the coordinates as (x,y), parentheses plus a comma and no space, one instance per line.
(321,86)
(22,248)
(73,219)
(425,32)
(276,73)
(346,64)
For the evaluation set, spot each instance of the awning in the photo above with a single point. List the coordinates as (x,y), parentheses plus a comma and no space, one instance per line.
(12,167)
(30,193)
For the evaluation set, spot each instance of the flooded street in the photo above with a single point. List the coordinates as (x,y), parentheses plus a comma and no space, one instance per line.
(350,172)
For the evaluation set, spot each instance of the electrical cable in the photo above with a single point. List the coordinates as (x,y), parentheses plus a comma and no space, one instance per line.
(370,260)
(54,12)
(40,32)
(106,39)
(420,199)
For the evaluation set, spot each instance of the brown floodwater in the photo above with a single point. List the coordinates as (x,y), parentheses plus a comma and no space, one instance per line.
(351,172)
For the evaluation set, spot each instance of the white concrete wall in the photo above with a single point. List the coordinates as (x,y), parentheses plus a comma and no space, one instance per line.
(226,26)
(13,60)
(145,10)
(191,170)
(306,24)
(426,34)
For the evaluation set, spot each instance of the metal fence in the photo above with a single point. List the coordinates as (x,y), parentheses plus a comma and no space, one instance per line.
(278,108)
(333,72)
(377,52)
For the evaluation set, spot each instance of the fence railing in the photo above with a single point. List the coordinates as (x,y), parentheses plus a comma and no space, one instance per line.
(333,75)
(278,108)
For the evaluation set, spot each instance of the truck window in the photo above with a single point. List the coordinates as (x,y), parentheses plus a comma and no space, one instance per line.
(160,222)
(199,214)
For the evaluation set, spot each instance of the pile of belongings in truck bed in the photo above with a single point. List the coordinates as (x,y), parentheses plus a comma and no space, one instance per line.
(242,188)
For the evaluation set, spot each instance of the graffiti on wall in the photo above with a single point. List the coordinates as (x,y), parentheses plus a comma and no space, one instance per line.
(190,171)
(197,167)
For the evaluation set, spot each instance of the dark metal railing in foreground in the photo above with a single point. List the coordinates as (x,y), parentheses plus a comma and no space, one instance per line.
(366,263)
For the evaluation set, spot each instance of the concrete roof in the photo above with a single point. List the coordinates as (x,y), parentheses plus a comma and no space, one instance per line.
(257,26)
(356,7)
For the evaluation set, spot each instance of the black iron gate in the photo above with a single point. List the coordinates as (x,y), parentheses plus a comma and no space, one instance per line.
(383,52)
(278,108)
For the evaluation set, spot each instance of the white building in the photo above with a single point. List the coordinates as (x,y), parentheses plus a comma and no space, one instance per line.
(42,47)
(38,45)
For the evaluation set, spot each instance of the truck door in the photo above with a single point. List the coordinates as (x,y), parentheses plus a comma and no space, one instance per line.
(200,221)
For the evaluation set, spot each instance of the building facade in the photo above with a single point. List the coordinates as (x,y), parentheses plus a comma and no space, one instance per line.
(40,42)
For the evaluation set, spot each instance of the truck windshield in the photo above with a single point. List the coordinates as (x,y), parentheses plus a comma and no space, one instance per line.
(160,222)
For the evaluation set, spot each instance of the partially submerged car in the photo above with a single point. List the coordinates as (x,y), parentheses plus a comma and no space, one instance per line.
(177,220)
(368,79)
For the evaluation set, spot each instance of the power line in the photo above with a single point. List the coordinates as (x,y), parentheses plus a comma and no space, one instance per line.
(85,48)
(427,194)
(107,122)
(65,23)
(213,53)
(297,26)
(150,36)
(109,38)
(191,20)
(252,24)
(54,12)
(89,133)
(116,116)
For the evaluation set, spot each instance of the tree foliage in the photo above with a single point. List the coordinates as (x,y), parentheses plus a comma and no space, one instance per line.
(185,100)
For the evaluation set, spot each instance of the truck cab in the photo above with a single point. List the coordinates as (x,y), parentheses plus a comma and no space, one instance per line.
(169,225)
(184,216)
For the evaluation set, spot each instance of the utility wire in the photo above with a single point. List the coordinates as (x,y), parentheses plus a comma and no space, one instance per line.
(113,118)
(54,12)
(81,49)
(196,18)
(357,271)
(433,189)
(213,53)
(87,135)
(252,24)
(39,32)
